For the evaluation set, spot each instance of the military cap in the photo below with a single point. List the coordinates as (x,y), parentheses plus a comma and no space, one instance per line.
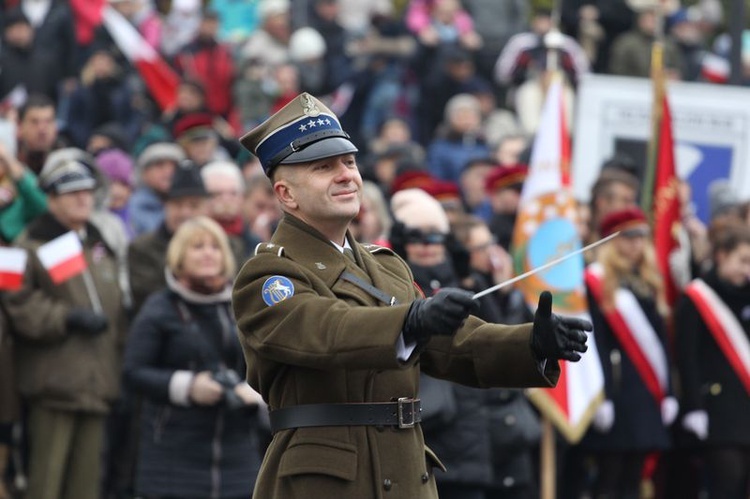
(503,177)
(302,131)
(67,175)
(629,221)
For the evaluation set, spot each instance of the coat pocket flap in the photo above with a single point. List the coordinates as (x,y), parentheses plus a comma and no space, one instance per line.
(323,457)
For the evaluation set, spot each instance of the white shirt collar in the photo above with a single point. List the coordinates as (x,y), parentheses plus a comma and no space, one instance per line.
(342,248)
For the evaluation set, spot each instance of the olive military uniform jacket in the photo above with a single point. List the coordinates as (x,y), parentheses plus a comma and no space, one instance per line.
(58,368)
(326,340)
(147,256)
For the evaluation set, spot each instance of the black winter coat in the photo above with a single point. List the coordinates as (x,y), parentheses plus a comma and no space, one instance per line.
(189,451)
(638,424)
(708,381)
(459,435)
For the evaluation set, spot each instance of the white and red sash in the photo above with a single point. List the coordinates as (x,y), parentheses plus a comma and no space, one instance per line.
(724,327)
(635,333)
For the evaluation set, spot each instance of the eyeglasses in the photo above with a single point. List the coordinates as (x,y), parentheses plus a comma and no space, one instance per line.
(416,236)
(484,246)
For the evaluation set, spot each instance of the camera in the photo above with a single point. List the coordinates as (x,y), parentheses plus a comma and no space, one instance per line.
(228,379)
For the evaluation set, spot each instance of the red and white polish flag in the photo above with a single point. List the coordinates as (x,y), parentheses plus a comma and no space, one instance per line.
(62,257)
(12,267)
(160,79)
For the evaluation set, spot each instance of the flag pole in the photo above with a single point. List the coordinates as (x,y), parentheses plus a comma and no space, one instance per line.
(657,78)
(547,444)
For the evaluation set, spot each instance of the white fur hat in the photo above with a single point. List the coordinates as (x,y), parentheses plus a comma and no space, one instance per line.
(418,210)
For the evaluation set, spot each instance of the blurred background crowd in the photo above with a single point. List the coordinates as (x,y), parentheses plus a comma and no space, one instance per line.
(122,377)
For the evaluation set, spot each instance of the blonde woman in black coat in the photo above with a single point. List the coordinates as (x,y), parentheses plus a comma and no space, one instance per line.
(627,306)
(199,419)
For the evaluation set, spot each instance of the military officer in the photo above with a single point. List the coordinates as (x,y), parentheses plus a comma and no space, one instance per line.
(335,332)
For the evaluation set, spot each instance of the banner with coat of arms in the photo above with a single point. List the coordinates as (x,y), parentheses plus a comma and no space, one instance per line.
(545,230)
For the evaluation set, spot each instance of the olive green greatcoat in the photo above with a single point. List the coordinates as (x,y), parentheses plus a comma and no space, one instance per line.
(57,368)
(331,342)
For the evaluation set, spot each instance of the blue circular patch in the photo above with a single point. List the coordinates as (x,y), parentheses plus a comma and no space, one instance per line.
(277,289)
(553,239)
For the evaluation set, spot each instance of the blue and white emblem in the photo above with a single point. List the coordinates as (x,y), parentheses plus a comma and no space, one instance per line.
(277,289)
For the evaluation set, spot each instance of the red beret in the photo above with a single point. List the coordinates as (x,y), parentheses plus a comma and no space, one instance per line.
(443,190)
(624,220)
(410,180)
(502,177)
(193,125)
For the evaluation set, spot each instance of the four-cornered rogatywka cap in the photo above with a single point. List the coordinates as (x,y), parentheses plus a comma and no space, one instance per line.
(302,131)
(69,175)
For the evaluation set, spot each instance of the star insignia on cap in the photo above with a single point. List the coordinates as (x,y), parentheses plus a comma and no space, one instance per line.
(302,127)
(312,124)
(321,122)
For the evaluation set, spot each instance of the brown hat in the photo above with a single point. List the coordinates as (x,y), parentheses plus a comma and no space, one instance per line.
(302,131)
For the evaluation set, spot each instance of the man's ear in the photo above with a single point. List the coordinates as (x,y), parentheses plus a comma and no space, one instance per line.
(285,194)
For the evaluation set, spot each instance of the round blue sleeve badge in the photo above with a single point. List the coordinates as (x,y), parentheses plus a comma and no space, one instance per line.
(277,289)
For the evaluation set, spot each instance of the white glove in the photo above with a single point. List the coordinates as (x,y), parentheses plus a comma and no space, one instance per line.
(696,422)
(604,417)
(669,409)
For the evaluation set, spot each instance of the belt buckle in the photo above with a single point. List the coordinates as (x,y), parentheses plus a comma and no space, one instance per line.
(401,402)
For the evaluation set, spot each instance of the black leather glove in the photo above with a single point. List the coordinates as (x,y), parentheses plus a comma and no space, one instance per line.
(555,337)
(85,321)
(442,314)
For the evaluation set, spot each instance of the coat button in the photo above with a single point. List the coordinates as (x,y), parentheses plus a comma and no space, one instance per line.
(425,477)
(509,420)
(387,484)
(716,389)
(509,481)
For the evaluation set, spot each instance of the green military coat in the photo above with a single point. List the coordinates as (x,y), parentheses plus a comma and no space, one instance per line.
(55,367)
(328,341)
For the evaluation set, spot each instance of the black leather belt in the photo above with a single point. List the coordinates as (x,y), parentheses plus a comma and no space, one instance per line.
(404,413)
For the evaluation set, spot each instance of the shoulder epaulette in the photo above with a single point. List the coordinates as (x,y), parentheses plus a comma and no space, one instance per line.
(271,248)
(374,248)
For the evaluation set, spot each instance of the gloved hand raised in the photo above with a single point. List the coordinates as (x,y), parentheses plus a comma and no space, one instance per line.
(85,321)
(440,315)
(554,337)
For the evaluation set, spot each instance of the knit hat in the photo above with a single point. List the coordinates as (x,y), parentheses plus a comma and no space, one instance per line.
(187,182)
(116,166)
(721,197)
(268,8)
(306,44)
(418,210)
(158,152)
(629,221)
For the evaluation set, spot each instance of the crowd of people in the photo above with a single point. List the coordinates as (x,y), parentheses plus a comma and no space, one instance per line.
(124,377)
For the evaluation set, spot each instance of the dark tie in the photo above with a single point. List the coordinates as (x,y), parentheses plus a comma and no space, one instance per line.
(350,255)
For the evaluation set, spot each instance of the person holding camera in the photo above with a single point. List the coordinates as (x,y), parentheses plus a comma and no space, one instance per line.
(199,419)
